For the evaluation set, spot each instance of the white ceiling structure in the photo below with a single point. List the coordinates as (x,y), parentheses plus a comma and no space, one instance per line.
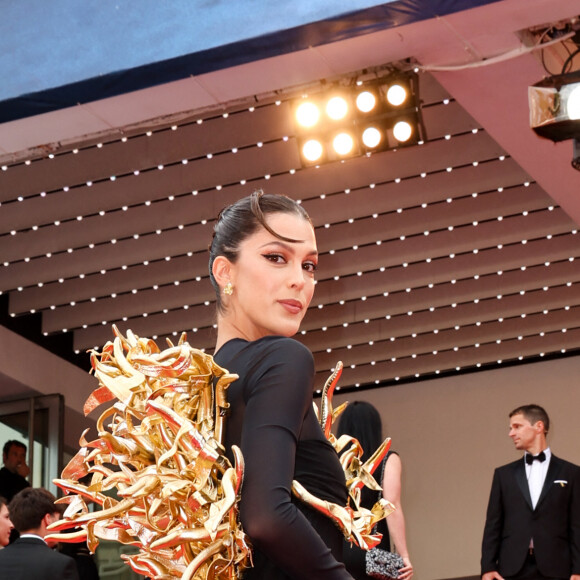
(454,255)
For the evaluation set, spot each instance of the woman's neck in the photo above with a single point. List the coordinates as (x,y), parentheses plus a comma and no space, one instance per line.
(226,331)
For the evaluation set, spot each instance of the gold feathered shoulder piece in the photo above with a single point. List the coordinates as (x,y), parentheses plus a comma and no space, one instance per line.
(158,473)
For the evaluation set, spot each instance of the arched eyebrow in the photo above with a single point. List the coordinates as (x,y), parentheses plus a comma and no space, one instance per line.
(289,246)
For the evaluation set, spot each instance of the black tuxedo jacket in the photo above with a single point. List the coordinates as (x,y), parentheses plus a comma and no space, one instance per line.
(32,559)
(554,524)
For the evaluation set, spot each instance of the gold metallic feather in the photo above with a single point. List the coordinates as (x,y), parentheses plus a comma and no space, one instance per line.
(160,449)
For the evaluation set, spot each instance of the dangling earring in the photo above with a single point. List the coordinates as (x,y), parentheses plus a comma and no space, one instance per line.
(228,289)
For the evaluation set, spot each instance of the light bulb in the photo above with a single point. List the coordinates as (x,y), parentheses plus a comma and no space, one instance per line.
(343,143)
(573,104)
(307,114)
(396,95)
(337,108)
(371,137)
(366,101)
(402,131)
(312,150)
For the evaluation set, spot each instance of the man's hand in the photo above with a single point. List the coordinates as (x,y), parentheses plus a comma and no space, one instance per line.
(23,470)
(494,574)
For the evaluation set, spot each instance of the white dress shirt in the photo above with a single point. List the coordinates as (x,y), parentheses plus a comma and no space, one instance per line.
(536,475)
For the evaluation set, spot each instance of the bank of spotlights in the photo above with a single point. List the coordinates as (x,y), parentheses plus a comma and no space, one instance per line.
(364,118)
(555,110)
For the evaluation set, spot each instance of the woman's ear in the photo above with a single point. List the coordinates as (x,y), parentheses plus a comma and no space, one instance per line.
(221,270)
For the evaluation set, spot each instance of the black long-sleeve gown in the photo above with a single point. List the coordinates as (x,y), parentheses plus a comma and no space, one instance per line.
(272,420)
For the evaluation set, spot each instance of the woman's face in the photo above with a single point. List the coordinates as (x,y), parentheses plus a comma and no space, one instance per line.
(273,280)
(5,526)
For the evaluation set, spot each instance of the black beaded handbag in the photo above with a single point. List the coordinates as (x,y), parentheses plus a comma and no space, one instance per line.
(382,564)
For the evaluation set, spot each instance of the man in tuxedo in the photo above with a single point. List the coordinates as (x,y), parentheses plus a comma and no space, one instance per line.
(32,510)
(532,530)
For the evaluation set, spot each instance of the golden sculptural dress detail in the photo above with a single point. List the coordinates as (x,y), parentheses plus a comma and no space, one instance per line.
(160,474)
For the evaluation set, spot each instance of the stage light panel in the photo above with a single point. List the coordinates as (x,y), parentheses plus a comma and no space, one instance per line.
(352,118)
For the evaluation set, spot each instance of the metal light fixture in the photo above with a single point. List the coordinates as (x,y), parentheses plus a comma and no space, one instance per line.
(358,119)
(555,110)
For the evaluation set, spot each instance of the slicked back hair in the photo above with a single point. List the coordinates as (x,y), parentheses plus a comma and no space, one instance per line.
(533,413)
(240,220)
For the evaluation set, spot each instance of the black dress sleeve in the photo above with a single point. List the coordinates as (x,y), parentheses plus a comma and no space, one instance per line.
(278,397)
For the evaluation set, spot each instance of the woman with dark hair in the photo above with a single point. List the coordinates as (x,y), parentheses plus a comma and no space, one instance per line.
(362,421)
(263,258)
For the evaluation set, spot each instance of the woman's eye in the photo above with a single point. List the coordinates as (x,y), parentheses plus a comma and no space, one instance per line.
(276,258)
(310,266)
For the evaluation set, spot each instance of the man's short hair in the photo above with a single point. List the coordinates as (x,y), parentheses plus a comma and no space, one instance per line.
(8,445)
(533,413)
(29,506)
(3,501)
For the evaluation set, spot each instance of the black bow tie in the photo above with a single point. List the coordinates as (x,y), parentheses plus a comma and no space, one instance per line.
(541,456)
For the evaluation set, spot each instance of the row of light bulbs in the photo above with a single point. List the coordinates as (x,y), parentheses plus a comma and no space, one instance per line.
(176,334)
(126,139)
(434,353)
(367,99)
(199,278)
(326,226)
(320,306)
(437,371)
(386,317)
(102,213)
(368,117)
(137,172)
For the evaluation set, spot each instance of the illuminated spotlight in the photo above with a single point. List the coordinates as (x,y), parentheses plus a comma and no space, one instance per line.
(402,131)
(366,101)
(343,144)
(555,110)
(312,150)
(307,114)
(337,108)
(360,113)
(573,103)
(372,137)
(397,94)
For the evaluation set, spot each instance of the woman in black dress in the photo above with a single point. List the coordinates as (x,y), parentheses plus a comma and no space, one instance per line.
(263,259)
(362,421)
